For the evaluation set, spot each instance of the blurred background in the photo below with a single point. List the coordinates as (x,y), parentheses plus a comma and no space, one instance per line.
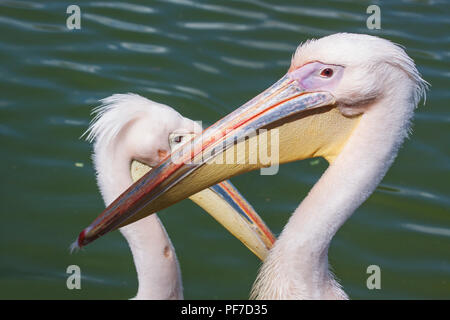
(204,58)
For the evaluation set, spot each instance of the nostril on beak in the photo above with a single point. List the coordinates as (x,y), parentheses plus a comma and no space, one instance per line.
(162,153)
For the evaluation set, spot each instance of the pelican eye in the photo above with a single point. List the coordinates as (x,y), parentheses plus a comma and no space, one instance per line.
(178,139)
(327,73)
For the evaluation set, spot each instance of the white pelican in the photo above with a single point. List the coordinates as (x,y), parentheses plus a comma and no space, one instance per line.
(346,97)
(133,134)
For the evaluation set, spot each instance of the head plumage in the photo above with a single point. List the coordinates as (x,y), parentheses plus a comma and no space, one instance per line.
(114,113)
(351,49)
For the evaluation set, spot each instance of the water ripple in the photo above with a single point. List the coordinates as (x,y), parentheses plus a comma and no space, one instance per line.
(243,63)
(220,9)
(414,194)
(215,26)
(157,90)
(32,26)
(205,67)
(123,6)
(265,45)
(272,24)
(193,91)
(118,24)
(311,12)
(144,48)
(57,120)
(72,65)
(436,231)
(21,4)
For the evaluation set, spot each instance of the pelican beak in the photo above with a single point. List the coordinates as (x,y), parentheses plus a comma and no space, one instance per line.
(225,204)
(300,125)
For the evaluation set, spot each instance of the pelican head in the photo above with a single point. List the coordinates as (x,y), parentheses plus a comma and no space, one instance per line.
(372,66)
(346,97)
(136,130)
(132,134)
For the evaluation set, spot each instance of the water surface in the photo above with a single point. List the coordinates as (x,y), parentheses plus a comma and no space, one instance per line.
(204,58)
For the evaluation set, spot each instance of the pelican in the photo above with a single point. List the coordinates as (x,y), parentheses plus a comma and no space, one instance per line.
(348,98)
(131,134)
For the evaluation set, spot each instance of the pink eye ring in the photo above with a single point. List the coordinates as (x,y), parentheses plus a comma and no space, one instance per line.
(317,76)
(327,73)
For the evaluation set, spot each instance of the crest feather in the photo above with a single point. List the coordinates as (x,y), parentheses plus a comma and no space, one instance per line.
(114,113)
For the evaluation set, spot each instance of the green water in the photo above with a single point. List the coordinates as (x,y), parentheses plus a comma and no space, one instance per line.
(204,58)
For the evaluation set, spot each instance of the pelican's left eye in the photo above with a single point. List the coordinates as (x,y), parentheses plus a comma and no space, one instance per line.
(318,76)
(178,139)
(327,73)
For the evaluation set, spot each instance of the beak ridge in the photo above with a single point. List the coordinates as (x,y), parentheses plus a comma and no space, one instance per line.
(168,183)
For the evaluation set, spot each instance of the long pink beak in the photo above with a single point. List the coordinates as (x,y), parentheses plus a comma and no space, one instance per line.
(188,170)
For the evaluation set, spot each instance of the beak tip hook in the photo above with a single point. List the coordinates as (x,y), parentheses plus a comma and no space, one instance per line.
(79,243)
